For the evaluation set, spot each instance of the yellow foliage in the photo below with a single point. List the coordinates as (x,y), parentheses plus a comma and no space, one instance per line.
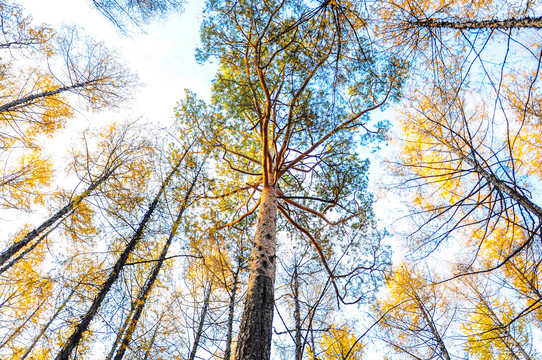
(487,339)
(337,343)
(21,185)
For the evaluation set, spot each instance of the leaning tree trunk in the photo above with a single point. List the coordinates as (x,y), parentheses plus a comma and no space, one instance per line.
(442,349)
(132,320)
(82,326)
(46,326)
(254,341)
(18,245)
(526,22)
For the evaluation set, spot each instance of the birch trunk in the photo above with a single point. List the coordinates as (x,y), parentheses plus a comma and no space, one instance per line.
(15,247)
(202,318)
(231,310)
(254,342)
(527,22)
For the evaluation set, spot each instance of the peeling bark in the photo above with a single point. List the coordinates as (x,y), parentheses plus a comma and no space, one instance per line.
(254,342)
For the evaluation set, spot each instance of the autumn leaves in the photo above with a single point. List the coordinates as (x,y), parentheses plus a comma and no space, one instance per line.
(147,253)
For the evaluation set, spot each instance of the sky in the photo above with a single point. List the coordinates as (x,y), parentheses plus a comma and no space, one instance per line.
(163,57)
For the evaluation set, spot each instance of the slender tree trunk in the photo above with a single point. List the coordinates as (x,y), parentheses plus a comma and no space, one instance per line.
(254,341)
(18,245)
(526,22)
(434,331)
(231,310)
(30,99)
(153,339)
(74,339)
(121,332)
(28,249)
(131,324)
(22,326)
(313,344)
(202,318)
(44,329)
(297,316)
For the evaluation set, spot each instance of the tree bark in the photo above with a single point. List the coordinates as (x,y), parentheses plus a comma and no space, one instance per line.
(131,324)
(254,341)
(526,22)
(201,322)
(297,316)
(30,99)
(431,324)
(514,193)
(231,310)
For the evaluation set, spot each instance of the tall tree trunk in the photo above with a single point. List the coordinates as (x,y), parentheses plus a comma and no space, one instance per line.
(201,322)
(131,324)
(74,339)
(31,99)
(254,341)
(28,249)
(231,310)
(46,326)
(297,315)
(18,330)
(515,193)
(434,331)
(526,22)
(121,332)
(18,245)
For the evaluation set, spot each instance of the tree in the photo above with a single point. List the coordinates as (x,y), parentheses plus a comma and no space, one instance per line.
(280,128)
(133,12)
(311,322)
(416,316)
(82,326)
(34,98)
(135,313)
(491,328)
(341,344)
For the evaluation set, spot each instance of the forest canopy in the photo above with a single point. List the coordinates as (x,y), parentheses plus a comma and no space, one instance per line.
(361,180)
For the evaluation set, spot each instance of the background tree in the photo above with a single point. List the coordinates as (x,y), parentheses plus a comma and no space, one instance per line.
(127,13)
(492,330)
(416,316)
